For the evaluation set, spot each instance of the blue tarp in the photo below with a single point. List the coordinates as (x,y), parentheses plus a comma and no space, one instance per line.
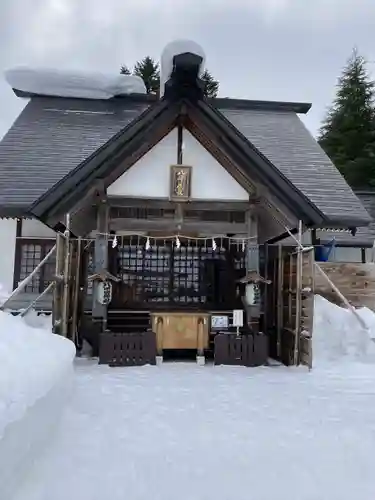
(323,252)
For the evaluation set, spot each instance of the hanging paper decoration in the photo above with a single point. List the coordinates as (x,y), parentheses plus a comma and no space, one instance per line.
(170,237)
(148,246)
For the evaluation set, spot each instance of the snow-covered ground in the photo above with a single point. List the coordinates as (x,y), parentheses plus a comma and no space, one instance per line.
(194,433)
(189,432)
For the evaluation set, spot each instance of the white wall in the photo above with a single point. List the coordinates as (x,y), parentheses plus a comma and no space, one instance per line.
(210,180)
(33,228)
(150,176)
(8,231)
(370,255)
(346,254)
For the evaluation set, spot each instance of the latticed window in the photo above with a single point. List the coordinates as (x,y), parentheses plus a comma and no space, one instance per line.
(191,274)
(29,253)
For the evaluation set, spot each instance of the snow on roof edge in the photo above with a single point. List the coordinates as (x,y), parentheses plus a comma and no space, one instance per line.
(72,84)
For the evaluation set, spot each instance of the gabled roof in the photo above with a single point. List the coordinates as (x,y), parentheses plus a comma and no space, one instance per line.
(57,139)
(123,150)
(284,140)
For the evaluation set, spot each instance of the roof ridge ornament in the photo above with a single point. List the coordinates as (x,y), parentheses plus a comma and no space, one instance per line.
(182,64)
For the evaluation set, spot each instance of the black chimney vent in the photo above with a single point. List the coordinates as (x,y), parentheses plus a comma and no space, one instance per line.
(184,80)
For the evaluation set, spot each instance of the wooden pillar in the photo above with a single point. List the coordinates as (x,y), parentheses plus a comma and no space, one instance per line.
(57,305)
(75,292)
(65,315)
(252,265)
(280,298)
(99,311)
(298,316)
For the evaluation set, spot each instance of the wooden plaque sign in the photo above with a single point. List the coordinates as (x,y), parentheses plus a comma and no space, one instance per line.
(180,186)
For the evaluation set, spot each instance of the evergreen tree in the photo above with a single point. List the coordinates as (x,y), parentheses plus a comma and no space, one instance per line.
(211,85)
(348,131)
(125,70)
(148,70)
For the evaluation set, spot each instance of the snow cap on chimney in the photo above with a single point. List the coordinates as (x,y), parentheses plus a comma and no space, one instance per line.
(174,49)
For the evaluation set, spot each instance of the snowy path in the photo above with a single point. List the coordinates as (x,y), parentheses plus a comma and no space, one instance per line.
(199,433)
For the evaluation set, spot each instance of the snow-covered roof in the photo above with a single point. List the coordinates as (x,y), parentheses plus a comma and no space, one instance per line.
(76,84)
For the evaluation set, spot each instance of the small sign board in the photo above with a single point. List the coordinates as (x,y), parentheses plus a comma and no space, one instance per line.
(180,184)
(219,322)
(238,317)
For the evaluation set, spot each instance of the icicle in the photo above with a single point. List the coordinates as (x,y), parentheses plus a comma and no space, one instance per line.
(178,244)
(114,242)
(214,246)
(243,245)
(148,246)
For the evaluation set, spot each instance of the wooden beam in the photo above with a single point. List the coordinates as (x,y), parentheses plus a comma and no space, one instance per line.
(170,226)
(142,145)
(179,144)
(163,203)
(283,216)
(204,136)
(79,202)
(84,221)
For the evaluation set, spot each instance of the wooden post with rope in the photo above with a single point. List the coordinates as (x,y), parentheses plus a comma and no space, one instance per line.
(298,297)
(333,286)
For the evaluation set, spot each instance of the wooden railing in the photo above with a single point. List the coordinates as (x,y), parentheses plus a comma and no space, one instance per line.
(242,350)
(127,349)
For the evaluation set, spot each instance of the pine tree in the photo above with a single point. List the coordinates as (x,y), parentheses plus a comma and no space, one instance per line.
(125,70)
(211,85)
(148,70)
(348,131)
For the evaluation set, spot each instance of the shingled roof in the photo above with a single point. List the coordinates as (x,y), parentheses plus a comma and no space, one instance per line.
(50,138)
(365,236)
(284,140)
(53,136)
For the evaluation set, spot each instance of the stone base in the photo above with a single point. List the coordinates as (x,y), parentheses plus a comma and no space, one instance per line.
(201,360)
(159,360)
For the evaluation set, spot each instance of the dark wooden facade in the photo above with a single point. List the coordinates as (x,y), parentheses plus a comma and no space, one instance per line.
(161,262)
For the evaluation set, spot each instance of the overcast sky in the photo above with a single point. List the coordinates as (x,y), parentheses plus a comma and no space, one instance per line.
(290,50)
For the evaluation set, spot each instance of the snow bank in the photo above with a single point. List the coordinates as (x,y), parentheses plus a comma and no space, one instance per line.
(3,294)
(174,49)
(63,83)
(338,336)
(35,320)
(35,370)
